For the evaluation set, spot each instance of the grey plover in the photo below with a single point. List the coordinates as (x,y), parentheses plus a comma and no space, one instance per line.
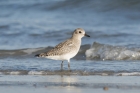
(67,49)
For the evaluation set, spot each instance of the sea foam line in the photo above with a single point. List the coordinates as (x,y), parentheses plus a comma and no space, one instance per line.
(67,72)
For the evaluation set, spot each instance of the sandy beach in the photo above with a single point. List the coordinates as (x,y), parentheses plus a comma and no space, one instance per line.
(68,84)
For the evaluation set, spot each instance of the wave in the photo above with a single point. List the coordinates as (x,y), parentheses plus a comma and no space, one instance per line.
(76,4)
(21,52)
(96,52)
(108,52)
(67,72)
(28,52)
(96,5)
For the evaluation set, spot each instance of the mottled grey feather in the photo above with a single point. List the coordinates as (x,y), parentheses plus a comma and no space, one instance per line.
(62,48)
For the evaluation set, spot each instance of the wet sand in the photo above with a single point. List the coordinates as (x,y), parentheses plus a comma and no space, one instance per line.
(68,84)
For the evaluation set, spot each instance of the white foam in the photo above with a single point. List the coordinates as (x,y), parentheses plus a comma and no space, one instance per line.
(108,52)
(30,51)
(129,74)
(36,73)
(14,73)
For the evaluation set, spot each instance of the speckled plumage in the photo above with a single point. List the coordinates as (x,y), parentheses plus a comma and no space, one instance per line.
(67,49)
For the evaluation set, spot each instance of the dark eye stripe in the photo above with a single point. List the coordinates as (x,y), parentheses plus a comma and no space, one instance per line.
(80,32)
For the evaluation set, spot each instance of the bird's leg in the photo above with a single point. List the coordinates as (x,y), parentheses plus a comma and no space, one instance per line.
(62,65)
(69,65)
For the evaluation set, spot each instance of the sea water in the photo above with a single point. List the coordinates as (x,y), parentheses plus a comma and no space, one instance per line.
(30,27)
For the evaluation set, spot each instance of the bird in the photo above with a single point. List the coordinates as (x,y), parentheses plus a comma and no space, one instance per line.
(67,49)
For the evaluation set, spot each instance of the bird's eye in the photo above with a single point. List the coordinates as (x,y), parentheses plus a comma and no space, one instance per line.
(80,32)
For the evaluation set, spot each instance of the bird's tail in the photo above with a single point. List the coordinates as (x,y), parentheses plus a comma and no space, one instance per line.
(37,55)
(41,55)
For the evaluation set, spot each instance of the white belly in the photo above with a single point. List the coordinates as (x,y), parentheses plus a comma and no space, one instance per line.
(63,57)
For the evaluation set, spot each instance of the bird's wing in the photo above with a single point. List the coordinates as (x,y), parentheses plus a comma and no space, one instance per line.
(67,43)
(61,48)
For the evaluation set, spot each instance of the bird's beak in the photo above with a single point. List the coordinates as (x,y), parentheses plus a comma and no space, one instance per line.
(87,35)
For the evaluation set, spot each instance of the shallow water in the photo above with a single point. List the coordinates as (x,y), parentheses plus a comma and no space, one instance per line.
(36,66)
(31,27)
(67,84)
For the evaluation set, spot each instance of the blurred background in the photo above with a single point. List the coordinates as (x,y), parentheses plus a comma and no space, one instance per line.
(28,27)
(42,23)
(109,59)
